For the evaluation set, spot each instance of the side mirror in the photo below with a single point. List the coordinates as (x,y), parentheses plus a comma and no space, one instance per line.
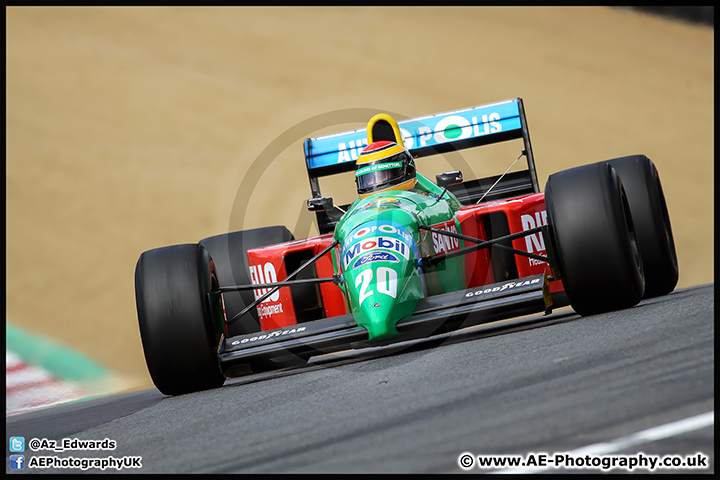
(449,178)
(320,204)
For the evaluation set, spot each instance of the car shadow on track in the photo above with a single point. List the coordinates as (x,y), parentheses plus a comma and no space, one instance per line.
(476,332)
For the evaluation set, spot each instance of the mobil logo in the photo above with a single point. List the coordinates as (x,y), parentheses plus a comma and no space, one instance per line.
(383,243)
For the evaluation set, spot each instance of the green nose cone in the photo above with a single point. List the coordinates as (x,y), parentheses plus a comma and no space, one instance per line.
(376,315)
(386,293)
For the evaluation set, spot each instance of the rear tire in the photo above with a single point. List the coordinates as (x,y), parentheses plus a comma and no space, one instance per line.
(593,236)
(179,328)
(652,222)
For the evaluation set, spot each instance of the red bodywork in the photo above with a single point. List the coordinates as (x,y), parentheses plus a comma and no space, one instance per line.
(268,264)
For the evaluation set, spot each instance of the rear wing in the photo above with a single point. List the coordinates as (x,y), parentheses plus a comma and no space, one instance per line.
(432,135)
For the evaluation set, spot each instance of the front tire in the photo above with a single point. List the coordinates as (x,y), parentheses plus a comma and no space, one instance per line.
(179,328)
(593,235)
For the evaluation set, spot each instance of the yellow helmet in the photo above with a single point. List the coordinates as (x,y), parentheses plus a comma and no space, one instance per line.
(384,165)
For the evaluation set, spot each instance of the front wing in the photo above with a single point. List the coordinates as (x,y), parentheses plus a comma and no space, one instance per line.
(433,316)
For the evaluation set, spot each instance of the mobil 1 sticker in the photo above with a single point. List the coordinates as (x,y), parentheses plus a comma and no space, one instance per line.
(380,241)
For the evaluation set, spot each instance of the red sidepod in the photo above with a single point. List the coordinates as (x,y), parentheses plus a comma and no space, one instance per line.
(291,305)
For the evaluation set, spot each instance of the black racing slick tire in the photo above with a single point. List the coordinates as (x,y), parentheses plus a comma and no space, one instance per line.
(593,236)
(180,326)
(652,222)
(228,251)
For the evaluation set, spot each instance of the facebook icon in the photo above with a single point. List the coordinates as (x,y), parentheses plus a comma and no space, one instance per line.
(17,462)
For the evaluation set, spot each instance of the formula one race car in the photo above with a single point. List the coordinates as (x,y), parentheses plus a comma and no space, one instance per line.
(406,263)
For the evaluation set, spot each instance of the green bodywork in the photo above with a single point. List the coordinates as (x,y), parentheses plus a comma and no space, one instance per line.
(380,247)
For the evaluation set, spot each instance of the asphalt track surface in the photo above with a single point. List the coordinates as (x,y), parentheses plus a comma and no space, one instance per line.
(539,384)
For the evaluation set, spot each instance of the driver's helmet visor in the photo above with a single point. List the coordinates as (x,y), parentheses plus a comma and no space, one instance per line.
(381,173)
